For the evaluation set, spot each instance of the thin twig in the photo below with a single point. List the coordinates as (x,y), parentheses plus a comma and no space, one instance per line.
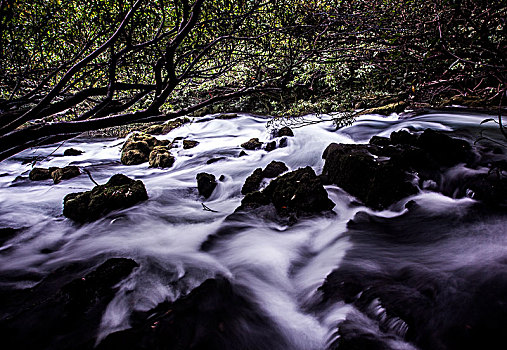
(90,176)
(204,207)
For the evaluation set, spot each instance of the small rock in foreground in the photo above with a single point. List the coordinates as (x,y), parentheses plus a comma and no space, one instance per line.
(206,184)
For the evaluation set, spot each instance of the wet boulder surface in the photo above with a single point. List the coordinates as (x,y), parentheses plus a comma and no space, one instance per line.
(161,157)
(389,169)
(292,194)
(137,148)
(409,297)
(62,312)
(118,193)
(206,184)
(55,173)
(216,315)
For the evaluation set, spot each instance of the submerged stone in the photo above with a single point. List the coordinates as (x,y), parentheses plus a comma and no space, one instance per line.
(72,152)
(118,193)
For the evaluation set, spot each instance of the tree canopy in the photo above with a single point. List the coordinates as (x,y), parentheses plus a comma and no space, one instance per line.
(72,66)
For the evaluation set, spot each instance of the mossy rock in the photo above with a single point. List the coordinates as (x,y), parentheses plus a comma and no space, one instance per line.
(137,148)
(396,107)
(65,173)
(39,174)
(173,124)
(118,193)
(274,169)
(285,131)
(160,157)
(187,144)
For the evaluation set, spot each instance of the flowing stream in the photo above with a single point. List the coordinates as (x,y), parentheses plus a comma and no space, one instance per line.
(282,267)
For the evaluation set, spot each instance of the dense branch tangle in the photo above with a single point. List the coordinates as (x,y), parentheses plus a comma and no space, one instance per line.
(124,67)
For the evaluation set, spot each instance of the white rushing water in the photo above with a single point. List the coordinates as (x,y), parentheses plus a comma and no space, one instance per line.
(281,266)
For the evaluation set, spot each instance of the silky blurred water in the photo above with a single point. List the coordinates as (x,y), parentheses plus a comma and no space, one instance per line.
(282,266)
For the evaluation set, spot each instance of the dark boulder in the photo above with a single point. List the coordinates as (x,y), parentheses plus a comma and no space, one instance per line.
(299,191)
(38,174)
(118,193)
(252,144)
(58,314)
(380,141)
(403,137)
(377,184)
(214,160)
(160,157)
(285,131)
(274,169)
(270,146)
(206,184)
(214,316)
(187,144)
(252,182)
(65,173)
(173,124)
(293,194)
(446,150)
(72,152)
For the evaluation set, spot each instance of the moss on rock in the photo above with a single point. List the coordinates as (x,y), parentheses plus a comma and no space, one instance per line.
(118,193)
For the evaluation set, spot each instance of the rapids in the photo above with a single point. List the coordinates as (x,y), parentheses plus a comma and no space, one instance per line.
(281,267)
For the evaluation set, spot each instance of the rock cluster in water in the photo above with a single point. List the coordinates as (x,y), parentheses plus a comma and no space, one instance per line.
(118,193)
(292,194)
(389,169)
(138,147)
(55,173)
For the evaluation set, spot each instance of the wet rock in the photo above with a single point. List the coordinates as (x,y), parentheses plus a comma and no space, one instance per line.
(157,129)
(38,174)
(377,184)
(283,142)
(72,152)
(59,314)
(403,137)
(396,107)
(65,173)
(299,191)
(187,144)
(160,157)
(173,124)
(274,169)
(380,141)
(118,193)
(227,116)
(252,182)
(444,149)
(242,154)
(206,184)
(137,148)
(293,194)
(490,188)
(214,316)
(285,131)
(214,160)
(7,233)
(270,146)
(252,144)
